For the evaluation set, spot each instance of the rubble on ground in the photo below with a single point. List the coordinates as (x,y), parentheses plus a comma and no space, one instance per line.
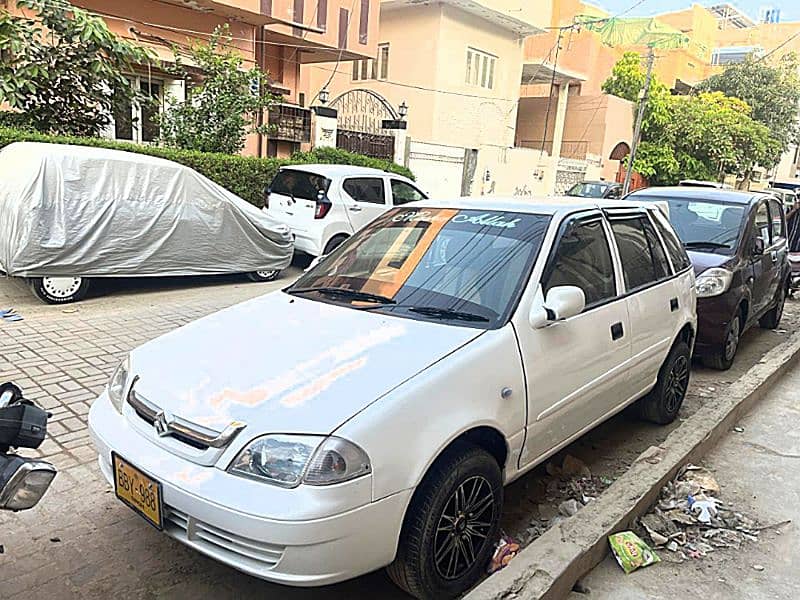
(690,520)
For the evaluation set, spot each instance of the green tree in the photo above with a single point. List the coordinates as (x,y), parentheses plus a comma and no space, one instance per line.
(223,107)
(627,78)
(771,89)
(63,67)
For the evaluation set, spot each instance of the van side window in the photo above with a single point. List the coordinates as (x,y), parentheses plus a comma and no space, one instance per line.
(366,189)
(643,258)
(763,228)
(583,259)
(776,214)
(677,254)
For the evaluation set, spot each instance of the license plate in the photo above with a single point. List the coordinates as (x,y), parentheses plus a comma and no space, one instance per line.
(137,490)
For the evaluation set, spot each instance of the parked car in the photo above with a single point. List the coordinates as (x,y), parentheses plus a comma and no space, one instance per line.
(737,244)
(325,204)
(72,213)
(787,197)
(786,184)
(596,189)
(705,184)
(442,351)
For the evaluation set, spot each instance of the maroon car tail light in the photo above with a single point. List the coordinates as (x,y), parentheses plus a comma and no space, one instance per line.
(322,209)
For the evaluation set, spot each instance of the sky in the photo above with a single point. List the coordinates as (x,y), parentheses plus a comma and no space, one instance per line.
(790,9)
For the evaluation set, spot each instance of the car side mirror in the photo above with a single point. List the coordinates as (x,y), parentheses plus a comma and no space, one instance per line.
(758,246)
(562,302)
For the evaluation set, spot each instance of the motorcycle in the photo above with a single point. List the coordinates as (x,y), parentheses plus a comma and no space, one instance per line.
(23,481)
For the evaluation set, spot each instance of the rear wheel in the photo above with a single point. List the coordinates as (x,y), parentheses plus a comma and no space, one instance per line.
(60,290)
(722,359)
(451,525)
(772,319)
(269,275)
(334,243)
(664,401)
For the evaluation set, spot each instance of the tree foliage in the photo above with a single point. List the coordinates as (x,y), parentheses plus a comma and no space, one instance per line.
(63,68)
(702,136)
(222,108)
(771,89)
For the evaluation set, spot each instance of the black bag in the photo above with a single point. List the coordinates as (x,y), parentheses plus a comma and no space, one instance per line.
(22,424)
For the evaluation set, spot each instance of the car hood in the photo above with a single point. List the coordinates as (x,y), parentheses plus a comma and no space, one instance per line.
(702,261)
(283,364)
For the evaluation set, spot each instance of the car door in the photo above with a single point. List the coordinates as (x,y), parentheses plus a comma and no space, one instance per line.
(763,266)
(778,249)
(365,199)
(575,369)
(652,300)
(403,193)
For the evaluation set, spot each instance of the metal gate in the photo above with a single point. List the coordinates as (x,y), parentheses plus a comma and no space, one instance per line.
(360,118)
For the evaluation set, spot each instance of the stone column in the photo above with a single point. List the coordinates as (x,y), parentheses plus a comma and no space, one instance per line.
(561,113)
(324,127)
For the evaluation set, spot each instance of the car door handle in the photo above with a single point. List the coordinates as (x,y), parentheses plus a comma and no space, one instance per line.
(617,331)
(355,208)
(774,256)
(673,304)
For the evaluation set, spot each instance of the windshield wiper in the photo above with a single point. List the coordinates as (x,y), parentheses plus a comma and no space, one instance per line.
(344,293)
(704,244)
(447,313)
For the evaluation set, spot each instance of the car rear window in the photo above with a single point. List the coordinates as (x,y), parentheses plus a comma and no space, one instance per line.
(299,184)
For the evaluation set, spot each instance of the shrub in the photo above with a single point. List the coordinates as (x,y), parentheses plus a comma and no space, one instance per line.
(245,176)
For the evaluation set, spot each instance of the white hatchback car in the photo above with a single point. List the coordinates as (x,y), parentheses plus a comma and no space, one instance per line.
(323,205)
(369,414)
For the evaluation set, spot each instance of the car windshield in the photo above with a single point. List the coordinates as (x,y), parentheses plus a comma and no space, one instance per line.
(299,184)
(459,267)
(588,190)
(703,224)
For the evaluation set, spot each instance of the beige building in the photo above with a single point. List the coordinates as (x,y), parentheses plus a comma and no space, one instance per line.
(455,65)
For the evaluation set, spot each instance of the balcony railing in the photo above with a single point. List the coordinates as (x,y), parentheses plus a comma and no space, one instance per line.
(290,123)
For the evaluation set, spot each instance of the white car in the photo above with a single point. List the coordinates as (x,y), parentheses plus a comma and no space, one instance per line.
(369,415)
(325,204)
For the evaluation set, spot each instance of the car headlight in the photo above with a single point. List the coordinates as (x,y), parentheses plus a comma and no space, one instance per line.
(713,282)
(117,384)
(289,460)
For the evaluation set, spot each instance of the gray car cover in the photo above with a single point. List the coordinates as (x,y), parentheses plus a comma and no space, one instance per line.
(81,211)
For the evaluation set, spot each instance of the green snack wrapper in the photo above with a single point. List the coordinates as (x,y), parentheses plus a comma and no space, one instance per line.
(631,552)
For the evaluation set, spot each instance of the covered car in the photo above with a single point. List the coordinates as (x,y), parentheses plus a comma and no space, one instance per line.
(71,213)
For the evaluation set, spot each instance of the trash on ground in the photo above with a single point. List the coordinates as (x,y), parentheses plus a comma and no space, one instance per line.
(652,455)
(569,507)
(758,567)
(575,466)
(505,550)
(690,520)
(739,429)
(10,315)
(631,551)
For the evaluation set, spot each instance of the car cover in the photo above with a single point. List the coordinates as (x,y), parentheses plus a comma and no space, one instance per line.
(92,212)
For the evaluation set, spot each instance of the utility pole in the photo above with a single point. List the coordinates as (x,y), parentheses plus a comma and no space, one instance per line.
(637,130)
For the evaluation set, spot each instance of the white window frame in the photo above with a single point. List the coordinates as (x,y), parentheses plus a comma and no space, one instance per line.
(136,109)
(481,69)
(376,68)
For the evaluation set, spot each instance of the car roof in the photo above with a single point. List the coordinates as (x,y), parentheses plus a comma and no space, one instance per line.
(545,205)
(331,171)
(697,193)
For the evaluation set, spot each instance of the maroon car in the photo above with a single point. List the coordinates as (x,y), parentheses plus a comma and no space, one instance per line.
(737,244)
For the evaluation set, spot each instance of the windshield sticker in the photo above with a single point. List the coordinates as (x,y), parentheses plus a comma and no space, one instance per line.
(430,216)
(487,219)
(441,216)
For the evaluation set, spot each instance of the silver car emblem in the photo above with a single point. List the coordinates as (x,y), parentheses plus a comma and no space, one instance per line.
(162,423)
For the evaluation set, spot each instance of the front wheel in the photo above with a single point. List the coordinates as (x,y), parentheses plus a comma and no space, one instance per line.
(451,525)
(270,275)
(722,359)
(60,290)
(664,401)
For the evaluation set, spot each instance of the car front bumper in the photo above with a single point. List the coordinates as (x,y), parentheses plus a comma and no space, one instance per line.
(713,316)
(307,552)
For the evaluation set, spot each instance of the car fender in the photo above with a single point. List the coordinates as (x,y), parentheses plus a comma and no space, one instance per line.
(407,429)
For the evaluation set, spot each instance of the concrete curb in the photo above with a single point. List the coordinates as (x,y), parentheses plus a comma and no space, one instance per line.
(550,566)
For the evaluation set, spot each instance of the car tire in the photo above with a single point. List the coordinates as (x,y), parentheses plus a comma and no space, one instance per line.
(772,318)
(268,275)
(60,290)
(664,401)
(722,359)
(436,524)
(333,244)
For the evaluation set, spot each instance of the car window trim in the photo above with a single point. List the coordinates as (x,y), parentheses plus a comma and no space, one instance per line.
(593,214)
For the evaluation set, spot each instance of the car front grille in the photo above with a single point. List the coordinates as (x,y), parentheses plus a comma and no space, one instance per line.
(221,544)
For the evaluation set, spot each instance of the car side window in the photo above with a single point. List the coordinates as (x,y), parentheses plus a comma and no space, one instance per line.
(763,228)
(583,259)
(643,258)
(366,189)
(675,250)
(614,193)
(402,193)
(776,214)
